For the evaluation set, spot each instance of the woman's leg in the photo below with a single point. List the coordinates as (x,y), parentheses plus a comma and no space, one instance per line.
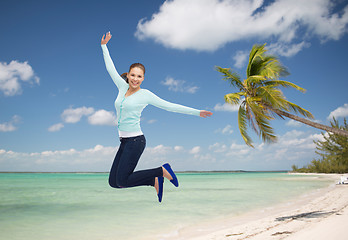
(113,171)
(129,157)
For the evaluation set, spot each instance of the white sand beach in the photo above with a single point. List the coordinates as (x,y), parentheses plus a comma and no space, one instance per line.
(318,215)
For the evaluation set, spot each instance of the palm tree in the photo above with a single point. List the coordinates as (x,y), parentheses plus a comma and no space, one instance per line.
(260,98)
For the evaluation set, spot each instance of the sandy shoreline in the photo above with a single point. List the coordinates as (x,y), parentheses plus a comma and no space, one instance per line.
(319,215)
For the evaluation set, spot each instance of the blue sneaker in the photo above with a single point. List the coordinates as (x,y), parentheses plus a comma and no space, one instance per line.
(171,172)
(160,188)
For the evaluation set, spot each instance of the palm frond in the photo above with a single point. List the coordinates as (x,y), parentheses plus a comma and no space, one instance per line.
(276,83)
(265,130)
(231,77)
(272,96)
(255,59)
(261,63)
(297,109)
(260,121)
(250,118)
(234,98)
(272,68)
(258,110)
(242,123)
(255,80)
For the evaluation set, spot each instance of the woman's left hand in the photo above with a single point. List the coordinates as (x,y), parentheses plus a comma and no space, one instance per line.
(205,114)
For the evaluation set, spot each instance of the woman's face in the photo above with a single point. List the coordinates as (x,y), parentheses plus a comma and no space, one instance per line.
(135,77)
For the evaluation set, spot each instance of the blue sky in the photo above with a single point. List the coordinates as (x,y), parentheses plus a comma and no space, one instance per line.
(56,97)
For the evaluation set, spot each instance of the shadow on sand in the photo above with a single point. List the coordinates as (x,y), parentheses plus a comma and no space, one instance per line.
(315,214)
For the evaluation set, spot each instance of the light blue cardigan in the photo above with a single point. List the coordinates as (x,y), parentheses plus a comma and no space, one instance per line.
(129,108)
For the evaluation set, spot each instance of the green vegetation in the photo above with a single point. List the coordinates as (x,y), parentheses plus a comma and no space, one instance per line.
(333,151)
(260,99)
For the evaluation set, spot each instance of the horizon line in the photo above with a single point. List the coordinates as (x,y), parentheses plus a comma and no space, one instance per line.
(186,171)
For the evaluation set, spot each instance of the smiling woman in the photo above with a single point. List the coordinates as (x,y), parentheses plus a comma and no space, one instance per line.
(129,104)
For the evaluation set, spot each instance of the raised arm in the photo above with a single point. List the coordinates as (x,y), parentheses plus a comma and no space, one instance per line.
(110,67)
(173,107)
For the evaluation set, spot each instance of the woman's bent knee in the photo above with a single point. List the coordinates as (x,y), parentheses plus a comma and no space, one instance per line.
(113,184)
(121,184)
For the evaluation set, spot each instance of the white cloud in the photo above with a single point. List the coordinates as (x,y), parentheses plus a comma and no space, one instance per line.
(179,85)
(294,147)
(286,49)
(339,112)
(195,150)
(159,150)
(10,126)
(218,147)
(226,130)
(206,25)
(56,127)
(226,107)
(298,140)
(98,158)
(292,134)
(12,76)
(72,115)
(280,48)
(239,149)
(178,148)
(102,117)
(240,58)
(293,123)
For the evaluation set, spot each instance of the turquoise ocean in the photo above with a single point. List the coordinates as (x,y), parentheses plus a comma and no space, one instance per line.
(82,205)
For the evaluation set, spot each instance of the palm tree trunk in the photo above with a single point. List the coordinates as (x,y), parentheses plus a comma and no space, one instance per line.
(310,123)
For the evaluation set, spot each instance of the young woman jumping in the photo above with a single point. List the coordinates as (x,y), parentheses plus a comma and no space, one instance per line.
(130,102)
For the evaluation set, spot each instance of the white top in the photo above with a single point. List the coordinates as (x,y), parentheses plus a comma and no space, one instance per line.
(129,108)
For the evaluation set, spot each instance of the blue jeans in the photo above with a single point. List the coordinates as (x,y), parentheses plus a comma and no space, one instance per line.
(122,173)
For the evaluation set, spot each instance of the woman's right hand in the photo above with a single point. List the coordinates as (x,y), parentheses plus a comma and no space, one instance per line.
(105,39)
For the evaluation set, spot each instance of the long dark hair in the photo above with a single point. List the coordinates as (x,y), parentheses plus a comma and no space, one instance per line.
(138,65)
